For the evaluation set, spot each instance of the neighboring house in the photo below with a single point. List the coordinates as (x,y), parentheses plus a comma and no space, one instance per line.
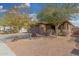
(23,30)
(44,28)
(8,29)
(5,29)
(75,31)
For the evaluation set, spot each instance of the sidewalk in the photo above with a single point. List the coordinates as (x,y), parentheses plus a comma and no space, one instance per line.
(5,50)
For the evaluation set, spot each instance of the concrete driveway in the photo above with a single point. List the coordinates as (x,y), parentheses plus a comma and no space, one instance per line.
(5,50)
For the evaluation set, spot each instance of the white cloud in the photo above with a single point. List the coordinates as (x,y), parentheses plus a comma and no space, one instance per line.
(27,4)
(23,5)
(33,15)
(75,22)
(3,10)
(1,7)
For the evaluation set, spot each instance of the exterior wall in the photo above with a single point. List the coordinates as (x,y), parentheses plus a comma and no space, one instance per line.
(46,29)
(68,28)
(42,27)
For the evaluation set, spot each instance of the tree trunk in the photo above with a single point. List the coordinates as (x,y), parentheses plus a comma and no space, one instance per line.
(56,30)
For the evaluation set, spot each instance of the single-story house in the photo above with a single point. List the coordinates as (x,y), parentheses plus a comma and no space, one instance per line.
(43,28)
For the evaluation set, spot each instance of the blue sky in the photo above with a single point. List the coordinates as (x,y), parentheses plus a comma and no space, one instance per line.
(35,8)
